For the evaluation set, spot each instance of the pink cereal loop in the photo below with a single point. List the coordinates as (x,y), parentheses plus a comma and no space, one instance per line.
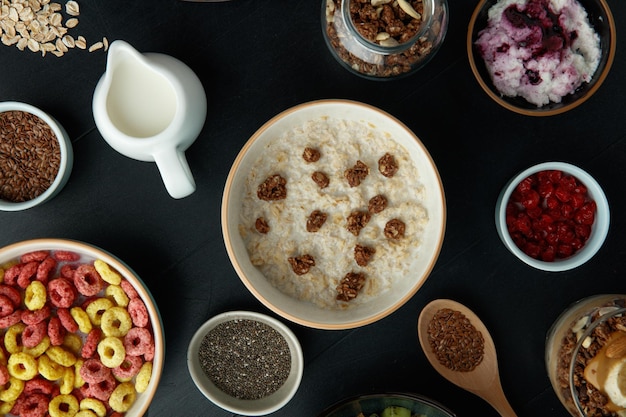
(87,280)
(128,368)
(138,312)
(61,292)
(91,343)
(128,288)
(28,272)
(102,390)
(37,256)
(11,274)
(66,256)
(12,293)
(137,341)
(67,321)
(11,319)
(94,371)
(34,334)
(34,317)
(56,331)
(45,269)
(6,306)
(39,385)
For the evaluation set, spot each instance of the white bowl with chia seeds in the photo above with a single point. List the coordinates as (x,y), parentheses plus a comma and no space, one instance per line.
(36,156)
(246,362)
(335,283)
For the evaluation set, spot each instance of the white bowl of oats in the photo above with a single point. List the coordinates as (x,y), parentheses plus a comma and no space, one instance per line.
(333,214)
(36,156)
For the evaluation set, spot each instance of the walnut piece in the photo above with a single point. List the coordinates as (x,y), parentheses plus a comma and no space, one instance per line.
(316,220)
(301,264)
(357,173)
(350,286)
(357,221)
(394,229)
(273,188)
(320,179)
(387,165)
(363,254)
(377,204)
(261,225)
(311,155)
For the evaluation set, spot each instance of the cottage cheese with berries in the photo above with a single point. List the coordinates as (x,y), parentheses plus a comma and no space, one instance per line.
(347,155)
(540,50)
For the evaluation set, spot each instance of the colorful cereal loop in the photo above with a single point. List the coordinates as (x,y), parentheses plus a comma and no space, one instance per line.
(107,274)
(22,366)
(123,397)
(35,296)
(112,352)
(117,294)
(61,356)
(143,377)
(49,369)
(13,390)
(82,319)
(96,308)
(116,322)
(13,338)
(64,405)
(93,405)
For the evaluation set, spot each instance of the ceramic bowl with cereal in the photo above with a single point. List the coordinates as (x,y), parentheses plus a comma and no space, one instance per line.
(387,404)
(81,332)
(553,216)
(537,59)
(333,214)
(36,156)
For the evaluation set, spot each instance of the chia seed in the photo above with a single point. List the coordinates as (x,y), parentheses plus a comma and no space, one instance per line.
(246,359)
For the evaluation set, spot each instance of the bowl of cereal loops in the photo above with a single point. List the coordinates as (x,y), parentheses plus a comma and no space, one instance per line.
(333,214)
(387,405)
(36,156)
(245,362)
(81,333)
(541,57)
(553,216)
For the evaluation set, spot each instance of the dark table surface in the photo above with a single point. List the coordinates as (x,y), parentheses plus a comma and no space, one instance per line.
(256,58)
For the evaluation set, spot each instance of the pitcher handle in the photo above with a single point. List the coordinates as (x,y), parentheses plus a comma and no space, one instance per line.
(175,172)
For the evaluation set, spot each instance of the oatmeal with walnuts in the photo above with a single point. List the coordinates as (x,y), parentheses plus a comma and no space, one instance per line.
(333,212)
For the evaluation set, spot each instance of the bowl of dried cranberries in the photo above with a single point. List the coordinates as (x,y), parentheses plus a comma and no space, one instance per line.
(553,216)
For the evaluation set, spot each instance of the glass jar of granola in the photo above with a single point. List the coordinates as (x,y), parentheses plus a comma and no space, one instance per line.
(586,356)
(384,39)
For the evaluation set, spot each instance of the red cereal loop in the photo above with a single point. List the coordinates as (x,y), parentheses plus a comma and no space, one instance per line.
(91,343)
(11,274)
(36,256)
(138,312)
(56,331)
(39,385)
(4,375)
(128,368)
(61,292)
(34,317)
(6,306)
(27,273)
(34,405)
(66,256)
(149,355)
(94,371)
(67,271)
(67,321)
(45,269)
(129,289)
(11,319)
(33,334)
(102,390)
(137,341)
(12,293)
(87,280)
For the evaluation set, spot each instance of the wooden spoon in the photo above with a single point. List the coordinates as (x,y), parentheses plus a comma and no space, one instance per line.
(484,380)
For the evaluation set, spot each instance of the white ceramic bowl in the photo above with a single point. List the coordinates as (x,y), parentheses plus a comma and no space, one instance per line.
(89,252)
(266,405)
(67,157)
(307,313)
(599,229)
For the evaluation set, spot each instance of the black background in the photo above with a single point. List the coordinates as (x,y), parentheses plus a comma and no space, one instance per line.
(257,58)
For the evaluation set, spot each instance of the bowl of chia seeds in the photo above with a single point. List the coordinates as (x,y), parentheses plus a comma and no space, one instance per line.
(36,156)
(245,362)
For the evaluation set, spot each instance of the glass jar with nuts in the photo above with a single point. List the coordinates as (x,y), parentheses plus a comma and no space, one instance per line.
(586,356)
(384,39)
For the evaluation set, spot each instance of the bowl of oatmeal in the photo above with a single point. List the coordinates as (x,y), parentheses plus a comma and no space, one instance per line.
(541,57)
(333,214)
(80,330)
(36,156)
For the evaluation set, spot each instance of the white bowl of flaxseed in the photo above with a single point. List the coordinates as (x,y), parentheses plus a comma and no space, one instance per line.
(36,156)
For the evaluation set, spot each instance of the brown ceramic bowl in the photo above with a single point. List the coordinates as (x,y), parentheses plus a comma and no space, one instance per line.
(601,20)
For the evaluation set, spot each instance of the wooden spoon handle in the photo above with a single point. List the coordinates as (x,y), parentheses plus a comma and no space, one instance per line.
(498,400)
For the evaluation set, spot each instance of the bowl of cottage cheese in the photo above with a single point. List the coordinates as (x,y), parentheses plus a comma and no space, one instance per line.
(333,214)
(541,57)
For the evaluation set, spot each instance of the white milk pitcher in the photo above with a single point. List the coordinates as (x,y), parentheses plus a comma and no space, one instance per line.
(151,107)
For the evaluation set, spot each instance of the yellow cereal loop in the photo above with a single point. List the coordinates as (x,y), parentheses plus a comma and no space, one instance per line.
(118,295)
(67,382)
(49,369)
(116,322)
(22,366)
(73,343)
(85,413)
(82,319)
(39,349)
(143,377)
(61,356)
(93,405)
(122,397)
(64,405)
(96,308)
(112,352)
(107,274)
(12,390)
(35,296)
(13,339)
(5,407)
(78,380)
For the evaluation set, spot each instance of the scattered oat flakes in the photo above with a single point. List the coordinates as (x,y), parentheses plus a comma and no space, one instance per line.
(96,46)
(72,8)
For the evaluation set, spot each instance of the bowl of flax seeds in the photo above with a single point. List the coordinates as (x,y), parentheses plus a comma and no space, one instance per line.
(36,156)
